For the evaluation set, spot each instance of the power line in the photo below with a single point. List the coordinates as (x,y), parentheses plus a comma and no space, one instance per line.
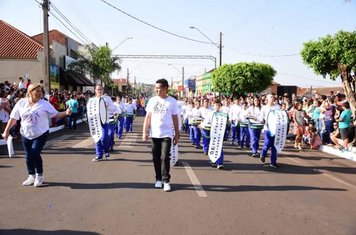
(71,24)
(153,26)
(57,18)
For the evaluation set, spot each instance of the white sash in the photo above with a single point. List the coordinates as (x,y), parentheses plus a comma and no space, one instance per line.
(174,151)
(217,133)
(277,121)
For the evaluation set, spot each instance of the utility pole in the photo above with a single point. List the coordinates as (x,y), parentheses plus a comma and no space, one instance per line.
(183,81)
(220,48)
(46,77)
(128,80)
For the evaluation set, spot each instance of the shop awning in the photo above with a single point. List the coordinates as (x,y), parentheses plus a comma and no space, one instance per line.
(78,79)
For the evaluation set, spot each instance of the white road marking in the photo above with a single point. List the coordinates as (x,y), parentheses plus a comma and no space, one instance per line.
(85,143)
(193,178)
(128,143)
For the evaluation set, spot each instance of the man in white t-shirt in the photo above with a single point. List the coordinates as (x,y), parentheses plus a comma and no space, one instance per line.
(162,117)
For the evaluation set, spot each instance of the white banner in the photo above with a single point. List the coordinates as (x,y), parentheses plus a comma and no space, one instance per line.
(94,119)
(174,151)
(217,132)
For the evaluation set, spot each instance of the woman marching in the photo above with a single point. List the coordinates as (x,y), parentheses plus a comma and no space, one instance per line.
(254,127)
(34,113)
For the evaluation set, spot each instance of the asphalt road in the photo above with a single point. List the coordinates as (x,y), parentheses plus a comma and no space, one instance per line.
(311,193)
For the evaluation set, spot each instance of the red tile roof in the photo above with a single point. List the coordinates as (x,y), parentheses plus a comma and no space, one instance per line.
(15,44)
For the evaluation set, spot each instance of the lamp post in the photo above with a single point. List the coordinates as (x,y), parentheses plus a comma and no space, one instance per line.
(128,38)
(181,72)
(219,46)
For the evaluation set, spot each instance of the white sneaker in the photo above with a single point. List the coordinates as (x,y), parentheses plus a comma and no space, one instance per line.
(30,180)
(166,187)
(158,184)
(39,180)
(96,159)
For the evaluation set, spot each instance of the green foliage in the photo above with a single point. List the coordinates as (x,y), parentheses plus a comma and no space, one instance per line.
(329,53)
(242,78)
(99,63)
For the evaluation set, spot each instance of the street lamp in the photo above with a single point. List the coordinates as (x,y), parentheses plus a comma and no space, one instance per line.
(121,43)
(181,72)
(219,46)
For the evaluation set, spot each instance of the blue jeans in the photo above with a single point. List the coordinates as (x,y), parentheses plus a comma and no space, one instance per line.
(33,150)
(120,126)
(129,121)
(197,136)
(269,143)
(72,121)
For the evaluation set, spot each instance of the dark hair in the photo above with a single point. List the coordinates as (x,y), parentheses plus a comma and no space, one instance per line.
(217,101)
(163,82)
(346,105)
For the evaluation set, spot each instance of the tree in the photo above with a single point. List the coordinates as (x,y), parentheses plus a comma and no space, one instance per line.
(242,78)
(98,62)
(334,56)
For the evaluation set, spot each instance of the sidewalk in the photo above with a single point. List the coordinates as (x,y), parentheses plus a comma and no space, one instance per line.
(351,155)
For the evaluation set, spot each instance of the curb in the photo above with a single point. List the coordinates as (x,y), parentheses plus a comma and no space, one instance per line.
(351,155)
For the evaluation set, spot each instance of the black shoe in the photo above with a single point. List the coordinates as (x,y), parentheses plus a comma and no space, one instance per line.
(255,155)
(212,164)
(274,166)
(220,167)
(198,147)
(205,153)
(262,159)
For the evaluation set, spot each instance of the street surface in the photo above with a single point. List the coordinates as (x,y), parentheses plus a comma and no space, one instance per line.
(311,193)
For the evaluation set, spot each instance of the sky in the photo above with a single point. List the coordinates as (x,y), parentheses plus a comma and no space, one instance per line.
(262,31)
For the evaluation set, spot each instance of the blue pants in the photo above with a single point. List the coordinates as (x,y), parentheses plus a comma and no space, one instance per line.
(129,121)
(103,145)
(227,132)
(120,126)
(197,136)
(111,133)
(33,150)
(235,134)
(185,125)
(255,135)
(244,137)
(191,133)
(329,128)
(220,161)
(206,139)
(269,143)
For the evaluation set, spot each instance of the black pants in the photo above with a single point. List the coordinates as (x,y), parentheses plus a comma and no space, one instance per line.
(161,150)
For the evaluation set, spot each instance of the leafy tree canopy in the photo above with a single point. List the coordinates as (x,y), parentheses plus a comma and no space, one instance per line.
(242,78)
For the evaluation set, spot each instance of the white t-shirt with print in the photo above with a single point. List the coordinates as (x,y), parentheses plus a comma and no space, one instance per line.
(162,110)
(34,120)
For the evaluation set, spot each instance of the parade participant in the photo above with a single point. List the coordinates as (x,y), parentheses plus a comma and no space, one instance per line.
(254,127)
(113,112)
(121,116)
(162,114)
(196,121)
(130,113)
(299,122)
(34,114)
(234,114)
(207,122)
(268,139)
(244,133)
(226,109)
(189,114)
(204,111)
(103,145)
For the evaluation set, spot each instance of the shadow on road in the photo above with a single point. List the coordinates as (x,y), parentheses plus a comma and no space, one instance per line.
(189,187)
(35,232)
